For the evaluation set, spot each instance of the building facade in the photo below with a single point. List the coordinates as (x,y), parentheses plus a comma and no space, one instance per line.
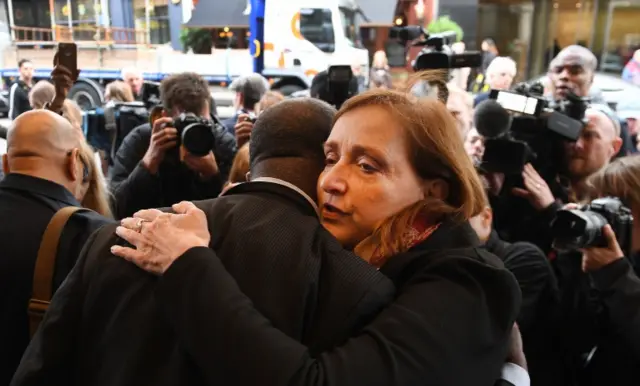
(131,21)
(529,31)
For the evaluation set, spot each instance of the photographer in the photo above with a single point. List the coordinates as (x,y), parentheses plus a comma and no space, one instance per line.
(152,168)
(598,143)
(600,291)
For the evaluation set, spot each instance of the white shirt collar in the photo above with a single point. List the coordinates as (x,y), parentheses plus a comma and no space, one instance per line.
(290,186)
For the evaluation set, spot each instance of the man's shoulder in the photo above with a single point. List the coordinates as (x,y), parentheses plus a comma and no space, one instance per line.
(254,206)
(100,262)
(142,130)
(91,219)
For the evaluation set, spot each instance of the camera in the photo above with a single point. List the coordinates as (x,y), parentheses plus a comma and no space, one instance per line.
(437,53)
(150,94)
(341,85)
(195,133)
(106,127)
(520,127)
(582,228)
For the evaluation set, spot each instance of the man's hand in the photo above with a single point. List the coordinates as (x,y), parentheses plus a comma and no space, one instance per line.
(162,139)
(537,191)
(516,351)
(595,258)
(243,130)
(206,166)
(161,238)
(63,80)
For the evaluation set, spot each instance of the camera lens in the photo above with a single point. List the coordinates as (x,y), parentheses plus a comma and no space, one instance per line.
(575,229)
(198,139)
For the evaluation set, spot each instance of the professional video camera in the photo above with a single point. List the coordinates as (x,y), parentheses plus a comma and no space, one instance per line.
(521,127)
(335,85)
(106,127)
(582,228)
(437,53)
(150,94)
(195,133)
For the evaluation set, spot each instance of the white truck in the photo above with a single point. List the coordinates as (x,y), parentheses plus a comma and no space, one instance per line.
(300,39)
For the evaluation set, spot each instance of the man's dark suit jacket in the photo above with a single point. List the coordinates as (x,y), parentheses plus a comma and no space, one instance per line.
(104,326)
(27,204)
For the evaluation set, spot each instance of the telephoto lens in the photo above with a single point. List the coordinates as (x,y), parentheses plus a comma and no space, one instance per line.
(196,134)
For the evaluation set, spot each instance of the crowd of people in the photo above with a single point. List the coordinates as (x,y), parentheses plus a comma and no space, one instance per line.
(312,245)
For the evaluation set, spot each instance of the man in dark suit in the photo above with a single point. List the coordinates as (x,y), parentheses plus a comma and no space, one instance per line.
(249,90)
(104,326)
(43,174)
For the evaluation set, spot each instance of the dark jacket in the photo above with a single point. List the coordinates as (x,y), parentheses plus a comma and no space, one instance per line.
(27,204)
(448,325)
(230,124)
(538,316)
(480,97)
(600,309)
(105,326)
(19,99)
(135,188)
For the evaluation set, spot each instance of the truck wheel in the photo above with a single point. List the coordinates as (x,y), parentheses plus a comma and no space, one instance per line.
(289,89)
(85,95)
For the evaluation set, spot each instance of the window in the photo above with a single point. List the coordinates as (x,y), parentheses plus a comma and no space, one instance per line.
(83,19)
(159,25)
(316,26)
(350,27)
(158,28)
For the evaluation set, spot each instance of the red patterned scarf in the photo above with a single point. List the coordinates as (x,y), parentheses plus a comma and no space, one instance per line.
(371,251)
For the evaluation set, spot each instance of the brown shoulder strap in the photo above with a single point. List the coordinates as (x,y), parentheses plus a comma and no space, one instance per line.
(45,265)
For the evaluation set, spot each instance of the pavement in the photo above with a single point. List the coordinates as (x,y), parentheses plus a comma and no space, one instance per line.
(223,97)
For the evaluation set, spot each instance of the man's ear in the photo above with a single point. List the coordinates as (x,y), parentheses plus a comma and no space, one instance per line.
(5,164)
(437,188)
(616,145)
(72,166)
(487,218)
(248,176)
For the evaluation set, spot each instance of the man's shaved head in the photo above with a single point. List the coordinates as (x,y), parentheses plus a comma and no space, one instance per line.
(599,141)
(45,145)
(601,116)
(40,133)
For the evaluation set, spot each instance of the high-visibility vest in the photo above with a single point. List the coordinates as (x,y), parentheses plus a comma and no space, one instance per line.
(479,85)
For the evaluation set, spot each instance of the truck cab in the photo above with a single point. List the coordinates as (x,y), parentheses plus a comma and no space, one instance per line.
(305,37)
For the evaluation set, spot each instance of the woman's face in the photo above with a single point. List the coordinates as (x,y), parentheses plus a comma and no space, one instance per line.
(368,176)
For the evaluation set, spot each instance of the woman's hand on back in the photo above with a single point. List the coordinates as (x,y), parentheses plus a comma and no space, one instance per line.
(161,238)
